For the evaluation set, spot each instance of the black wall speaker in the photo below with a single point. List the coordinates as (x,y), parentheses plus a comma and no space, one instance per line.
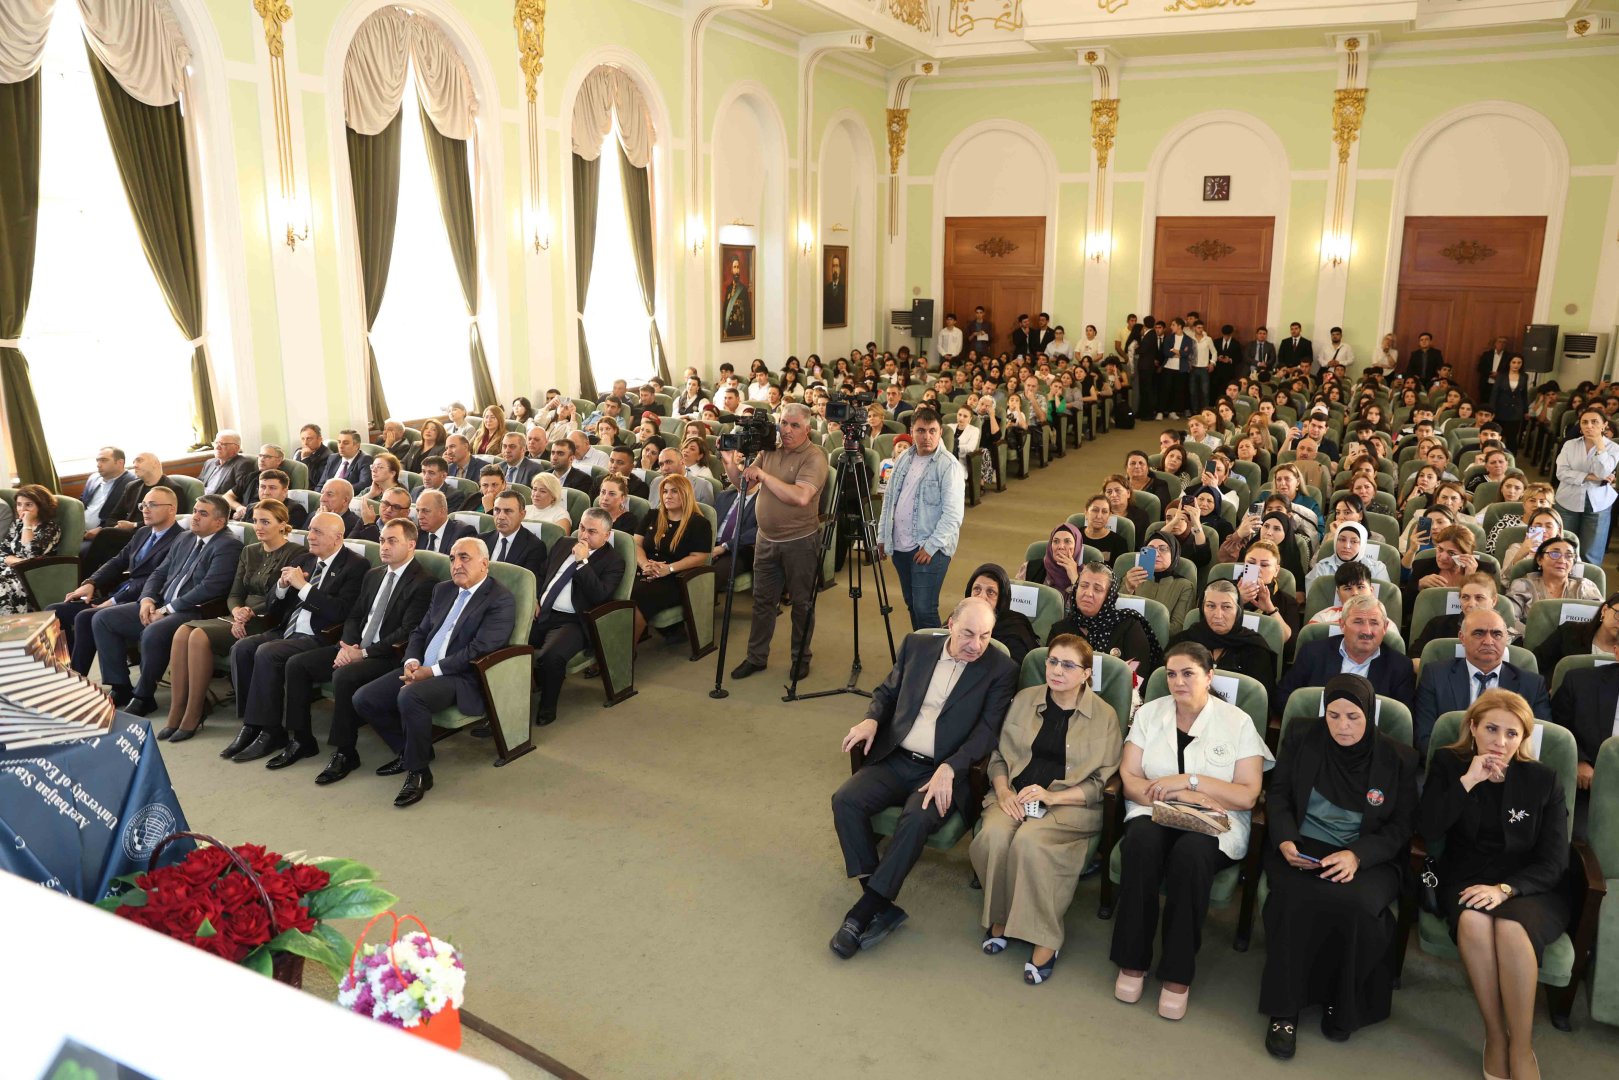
(922,318)
(1539,347)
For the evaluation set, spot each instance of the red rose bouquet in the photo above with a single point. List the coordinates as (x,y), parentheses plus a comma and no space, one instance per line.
(254,907)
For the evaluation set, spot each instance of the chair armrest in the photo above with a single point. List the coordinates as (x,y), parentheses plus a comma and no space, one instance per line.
(857,757)
(1589,890)
(27,566)
(484,663)
(213,609)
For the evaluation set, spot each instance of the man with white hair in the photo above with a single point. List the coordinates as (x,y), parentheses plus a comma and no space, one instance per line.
(939,711)
(1358,650)
(335,496)
(227,470)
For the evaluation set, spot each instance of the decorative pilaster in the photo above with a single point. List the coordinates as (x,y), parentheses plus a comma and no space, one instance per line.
(1103,66)
(528,19)
(275,15)
(1347,114)
(898,124)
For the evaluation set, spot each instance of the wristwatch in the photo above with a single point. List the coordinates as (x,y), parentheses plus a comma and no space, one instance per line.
(1191,780)
(1505,888)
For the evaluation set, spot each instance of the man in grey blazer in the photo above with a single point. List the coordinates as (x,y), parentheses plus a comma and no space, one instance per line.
(514,464)
(1451,686)
(199,570)
(938,712)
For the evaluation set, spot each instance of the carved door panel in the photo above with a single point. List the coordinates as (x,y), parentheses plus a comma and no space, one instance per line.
(1219,267)
(997,262)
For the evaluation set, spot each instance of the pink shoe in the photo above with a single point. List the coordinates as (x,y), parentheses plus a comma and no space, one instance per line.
(1129,988)
(1172,1006)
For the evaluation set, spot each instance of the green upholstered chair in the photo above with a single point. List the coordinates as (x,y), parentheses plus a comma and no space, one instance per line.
(1148,502)
(1316,631)
(638,506)
(368,548)
(190,490)
(1576,662)
(1495,511)
(549,532)
(578,502)
(1322,594)
(1266,627)
(297,473)
(1563,964)
(48,578)
(1432,603)
(476,520)
(1049,606)
(1603,827)
(1439,650)
(1243,877)
(696,610)
(1545,616)
(611,626)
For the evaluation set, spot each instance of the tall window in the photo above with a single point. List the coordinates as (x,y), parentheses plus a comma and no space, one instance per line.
(615,315)
(97,321)
(420,335)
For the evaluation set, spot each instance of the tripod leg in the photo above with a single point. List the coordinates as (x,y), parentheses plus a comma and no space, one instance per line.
(829,533)
(869,530)
(719,690)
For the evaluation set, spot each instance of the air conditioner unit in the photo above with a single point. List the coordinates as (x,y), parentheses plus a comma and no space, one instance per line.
(1585,357)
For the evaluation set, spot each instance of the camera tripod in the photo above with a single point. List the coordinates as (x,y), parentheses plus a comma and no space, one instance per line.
(850,476)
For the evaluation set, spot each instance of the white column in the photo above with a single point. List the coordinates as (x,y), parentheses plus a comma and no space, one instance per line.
(1338,218)
(1103,64)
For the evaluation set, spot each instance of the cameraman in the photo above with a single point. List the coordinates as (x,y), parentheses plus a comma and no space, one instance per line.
(789,481)
(921,517)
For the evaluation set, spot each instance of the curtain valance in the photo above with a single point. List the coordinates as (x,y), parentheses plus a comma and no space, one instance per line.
(374,75)
(141,45)
(605,90)
(23,25)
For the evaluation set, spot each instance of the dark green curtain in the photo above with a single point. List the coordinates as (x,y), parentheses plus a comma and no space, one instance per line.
(149,145)
(19,226)
(374,166)
(453,179)
(586,193)
(638,209)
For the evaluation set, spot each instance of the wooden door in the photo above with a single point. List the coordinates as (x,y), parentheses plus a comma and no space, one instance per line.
(1467,281)
(1218,267)
(997,263)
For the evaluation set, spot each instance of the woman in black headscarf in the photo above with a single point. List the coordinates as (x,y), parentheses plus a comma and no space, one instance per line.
(1342,807)
(1097,617)
(1012,628)
(1233,646)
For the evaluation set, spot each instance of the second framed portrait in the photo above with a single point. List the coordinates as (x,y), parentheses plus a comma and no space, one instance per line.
(834,286)
(736,292)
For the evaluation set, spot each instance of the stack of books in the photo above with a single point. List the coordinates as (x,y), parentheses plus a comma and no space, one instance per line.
(43,700)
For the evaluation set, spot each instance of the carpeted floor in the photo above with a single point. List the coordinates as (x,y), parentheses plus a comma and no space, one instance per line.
(650,893)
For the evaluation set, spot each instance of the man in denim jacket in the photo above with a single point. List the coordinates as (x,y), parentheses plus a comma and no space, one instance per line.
(921,518)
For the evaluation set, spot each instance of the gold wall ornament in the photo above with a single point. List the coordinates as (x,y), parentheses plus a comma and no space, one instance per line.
(1208,250)
(996,247)
(1468,251)
(1205,5)
(1581,26)
(1348,110)
(1351,44)
(1104,126)
(912,13)
(899,121)
(276,14)
(1111,6)
(1000,14)
(528,19)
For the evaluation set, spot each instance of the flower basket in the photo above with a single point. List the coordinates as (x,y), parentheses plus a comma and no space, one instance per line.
(416,984)
(250,906)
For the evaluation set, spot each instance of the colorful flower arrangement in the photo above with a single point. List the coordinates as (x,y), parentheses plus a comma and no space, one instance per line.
(406,983)
(251,906)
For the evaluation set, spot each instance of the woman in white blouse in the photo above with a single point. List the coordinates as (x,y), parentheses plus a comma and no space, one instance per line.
(1092,348)
(547,502)
(1387,355)
(1191,747)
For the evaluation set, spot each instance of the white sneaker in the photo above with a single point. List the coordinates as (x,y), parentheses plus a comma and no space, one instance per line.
(1174,416)
(1158,416)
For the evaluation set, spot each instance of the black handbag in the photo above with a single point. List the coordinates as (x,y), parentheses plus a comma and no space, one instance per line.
(1428,894)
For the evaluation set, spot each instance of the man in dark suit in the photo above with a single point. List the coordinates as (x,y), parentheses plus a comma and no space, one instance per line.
(938,712)
(104,542)
(137,559)
(394,505)
(1260,355)
(1586,704)
(1359,651)
(621,463)
(727,512)
(1491,362)
(274,484)
(514,463)
(458,459)
(980,335)
(314,595)
(312,452)
(471,616)
(336,495)
(104,489)
(437,531)
(434,478)
(562,463)
(1295,348)
(245,494)
(227,470)
(574,579)
(1228,364)
(349,463)
(1149,360)
(199,569)
(1021,336)
(393,599)
(1452,685)
(508,541)
(1425,360)
(1042,336)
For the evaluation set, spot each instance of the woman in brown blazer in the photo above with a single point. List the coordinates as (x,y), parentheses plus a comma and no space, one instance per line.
(1059,746)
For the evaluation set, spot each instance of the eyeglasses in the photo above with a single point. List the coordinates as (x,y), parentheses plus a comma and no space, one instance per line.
(1559,556)
(153,505)
(1066,665)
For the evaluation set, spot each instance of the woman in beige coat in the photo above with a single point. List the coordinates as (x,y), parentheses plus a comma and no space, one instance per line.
(1059,746)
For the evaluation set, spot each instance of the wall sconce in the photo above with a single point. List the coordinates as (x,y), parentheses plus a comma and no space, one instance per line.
(540,228)
(694,233)
(806,238)
(297,217)
(1334,249)
(1097,246)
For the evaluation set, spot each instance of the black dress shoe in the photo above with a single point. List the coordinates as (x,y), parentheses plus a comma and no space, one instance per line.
(481,731)
(120,695)
(417,784)
(544,719)
(882,924)
(1330,1026)
(139,706)
(746,668)
(846,942)
(343,762)
(391,768)
(267,743)
(1282,1040)
(181,734)
(244,738)
(296,750)
(801,670)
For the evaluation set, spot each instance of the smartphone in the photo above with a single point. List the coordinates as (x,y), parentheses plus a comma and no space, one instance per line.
(1250,574)
(1425,525)
(1535,535)
(1147,559)
(1309,858)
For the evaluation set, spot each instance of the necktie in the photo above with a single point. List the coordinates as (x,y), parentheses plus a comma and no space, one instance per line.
(728,526)
(151,538)
(441,640)
(303,616)
(511,474)
(373,622)
(561,583)
(500,556)
(431,539)
(185,571)
(1484,679)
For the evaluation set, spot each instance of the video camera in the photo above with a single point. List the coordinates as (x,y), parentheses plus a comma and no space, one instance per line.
(848,411)
(752,434)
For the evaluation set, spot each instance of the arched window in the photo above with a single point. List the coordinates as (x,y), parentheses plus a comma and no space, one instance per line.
(616,322)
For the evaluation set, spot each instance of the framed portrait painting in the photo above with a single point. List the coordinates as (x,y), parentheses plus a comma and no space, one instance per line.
(834,287)
(736,292)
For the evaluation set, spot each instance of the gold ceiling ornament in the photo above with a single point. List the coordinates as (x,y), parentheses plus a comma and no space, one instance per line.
(528,19)
(1111,6)
(899,121)
(996,247)
(1581,26)
(1205,5)
(1090,57)
(1104,126)
(276,14)
(1000,14)
(1348,110)
(1351,44)
(1468,251)
(1210,250)
(912,13)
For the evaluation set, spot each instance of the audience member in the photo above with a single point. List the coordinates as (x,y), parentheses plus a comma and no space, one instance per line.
(34,534)
(1359,650)
(675,537)
(1233,645)
(920,520)
(576,578)
(990,584)
(508,541)
(1455,684)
